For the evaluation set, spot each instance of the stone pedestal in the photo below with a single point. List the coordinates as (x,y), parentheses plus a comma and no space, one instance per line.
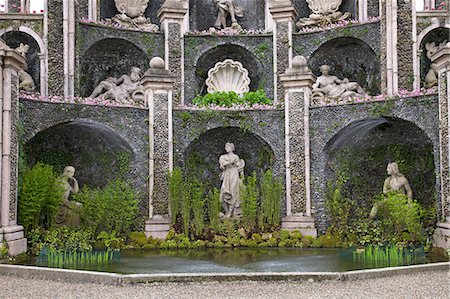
(442,61)
(297,82)
(11,62)
(158,85)
(173,17)
(284,14)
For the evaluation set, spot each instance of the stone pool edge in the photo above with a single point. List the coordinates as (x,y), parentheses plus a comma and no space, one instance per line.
(119,279)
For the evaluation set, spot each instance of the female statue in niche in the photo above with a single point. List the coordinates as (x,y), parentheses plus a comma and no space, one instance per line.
(395,182)
(232,171)
(69,211)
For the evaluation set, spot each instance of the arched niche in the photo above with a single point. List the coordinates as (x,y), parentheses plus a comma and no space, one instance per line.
(437,35)
(201,158)
(203,14)
(110,57)
(108,10)
(13,39)
(350,58)
(228,51)
(98,153)
(361,151)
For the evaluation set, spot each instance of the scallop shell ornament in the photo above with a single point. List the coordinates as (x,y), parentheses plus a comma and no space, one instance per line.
(228,75)
(132,8)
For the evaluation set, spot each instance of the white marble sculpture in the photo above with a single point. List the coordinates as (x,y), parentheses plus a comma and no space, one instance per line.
(232,170)
(323,12)
(228,75)
(126,89)
(225,8)
(132,15)
(431,76)
(26,82)
(331,87)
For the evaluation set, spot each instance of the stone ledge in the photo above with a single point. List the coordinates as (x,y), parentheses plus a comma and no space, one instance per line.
(119,279)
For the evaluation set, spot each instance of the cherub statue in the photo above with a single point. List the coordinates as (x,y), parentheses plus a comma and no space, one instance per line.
(323,12)
(26,82)
(225,8)
(232,171)
(132,15)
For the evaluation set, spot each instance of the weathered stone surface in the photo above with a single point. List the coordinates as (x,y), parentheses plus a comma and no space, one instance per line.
(56,51)
(175,59)
(444,143)
(404,45)
(282,47)
(14,156)
(373,8)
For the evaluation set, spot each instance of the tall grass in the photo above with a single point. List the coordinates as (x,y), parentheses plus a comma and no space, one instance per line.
(75,259)
(175,193)
(270,208)
(391,256)
(249,196)
(197,202)
(214,208)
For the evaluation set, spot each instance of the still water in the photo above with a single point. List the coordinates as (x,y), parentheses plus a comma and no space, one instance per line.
(228,260)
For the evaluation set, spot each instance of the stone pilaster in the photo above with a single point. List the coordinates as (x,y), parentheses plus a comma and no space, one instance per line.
(56,51)
(442,61)
(172,15)
(284,14)
(158,86)
(11,62)
(297,82)
(404,44)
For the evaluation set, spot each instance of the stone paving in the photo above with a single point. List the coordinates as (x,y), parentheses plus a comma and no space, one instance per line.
(429,284)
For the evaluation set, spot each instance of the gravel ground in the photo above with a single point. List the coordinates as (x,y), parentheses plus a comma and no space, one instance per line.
(432,284)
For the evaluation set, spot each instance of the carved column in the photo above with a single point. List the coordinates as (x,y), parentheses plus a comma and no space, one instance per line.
(442,61)
(297,82)
(172,15)
(284,15)
(158,86)
(56,51)
(10,64)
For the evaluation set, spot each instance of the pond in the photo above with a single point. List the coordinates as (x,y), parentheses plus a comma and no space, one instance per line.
(229,260)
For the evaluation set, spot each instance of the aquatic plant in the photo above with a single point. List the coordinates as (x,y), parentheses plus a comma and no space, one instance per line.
(75,259)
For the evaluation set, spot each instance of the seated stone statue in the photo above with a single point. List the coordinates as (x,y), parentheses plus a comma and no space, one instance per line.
(26,82)
(431,77)
(323,12)
(328,86)
(395,182)
(125,89)
(225,8)
(69,211)
(232,170)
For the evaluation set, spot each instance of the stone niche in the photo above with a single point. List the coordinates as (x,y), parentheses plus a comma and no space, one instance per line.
(109,58)
(220,53)
(13,40)
(437,36)
(201,158)
(203,14)
(97,152)
(349,58)
(350,6)
(362,150)
(108,10)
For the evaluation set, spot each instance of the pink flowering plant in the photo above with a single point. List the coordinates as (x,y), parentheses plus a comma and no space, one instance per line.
(403,93)
(80,100)
(339,24)
(228,32)
(108,23)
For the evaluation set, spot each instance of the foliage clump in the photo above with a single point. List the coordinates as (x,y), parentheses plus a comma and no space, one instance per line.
(228,99)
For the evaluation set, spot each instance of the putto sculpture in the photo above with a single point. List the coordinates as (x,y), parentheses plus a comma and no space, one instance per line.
(323,12)
(232,171)
(126,89)
(132,15)
(431,76)
(331,87)
(228,8)
(26,82)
